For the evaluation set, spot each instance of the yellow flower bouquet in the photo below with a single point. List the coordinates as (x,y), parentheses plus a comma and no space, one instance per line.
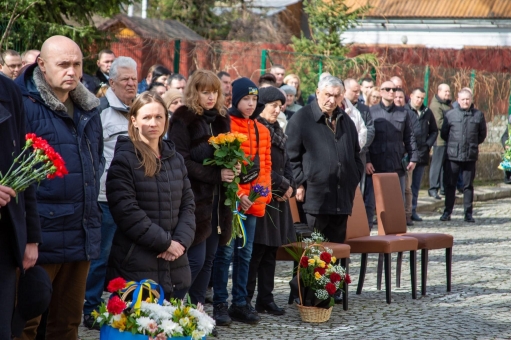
(228,154)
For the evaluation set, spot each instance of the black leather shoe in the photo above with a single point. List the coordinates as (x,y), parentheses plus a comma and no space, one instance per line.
(214,333)
(434,194)
(469,218)
(416,217)
(243,314)
(90,323)
(409,221)
(338,299)
(445,217)
(221,315)
(270,308)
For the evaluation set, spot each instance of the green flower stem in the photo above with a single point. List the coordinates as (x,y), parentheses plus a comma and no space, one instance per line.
(16,160)
(36,176)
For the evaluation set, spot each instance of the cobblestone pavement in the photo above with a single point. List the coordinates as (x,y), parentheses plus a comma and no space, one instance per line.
(477,308)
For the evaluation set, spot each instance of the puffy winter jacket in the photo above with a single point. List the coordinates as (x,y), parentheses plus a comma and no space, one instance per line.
(149,212)
(190,133)
(250,147)
(115,124)
(463,131)
(68,207)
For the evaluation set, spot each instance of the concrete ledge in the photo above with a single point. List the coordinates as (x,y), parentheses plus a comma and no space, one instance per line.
(429,204)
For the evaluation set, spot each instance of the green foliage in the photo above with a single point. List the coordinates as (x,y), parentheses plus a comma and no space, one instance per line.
(325,51)
(26,24)
(197,15)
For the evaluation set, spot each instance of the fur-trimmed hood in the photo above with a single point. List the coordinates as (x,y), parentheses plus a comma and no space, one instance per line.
(33,79)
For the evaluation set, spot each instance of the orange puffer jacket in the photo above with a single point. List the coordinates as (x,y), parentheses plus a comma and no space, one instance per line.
(246,126)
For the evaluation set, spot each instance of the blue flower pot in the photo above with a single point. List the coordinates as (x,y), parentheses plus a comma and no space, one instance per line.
(110,333)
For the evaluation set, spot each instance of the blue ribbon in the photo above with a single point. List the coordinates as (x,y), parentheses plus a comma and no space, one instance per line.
(240,216)
(137,294)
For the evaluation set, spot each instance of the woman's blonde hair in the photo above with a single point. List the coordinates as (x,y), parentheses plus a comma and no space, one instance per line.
(369,98)
(203,80)
(144,152)
(288,78)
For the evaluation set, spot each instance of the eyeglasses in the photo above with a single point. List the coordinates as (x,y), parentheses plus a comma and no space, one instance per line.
(388,89)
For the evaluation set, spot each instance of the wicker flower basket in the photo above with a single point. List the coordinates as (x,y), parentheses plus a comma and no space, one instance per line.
(310,313)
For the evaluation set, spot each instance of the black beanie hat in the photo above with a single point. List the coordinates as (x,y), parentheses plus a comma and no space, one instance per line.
(242,87)
(271,94)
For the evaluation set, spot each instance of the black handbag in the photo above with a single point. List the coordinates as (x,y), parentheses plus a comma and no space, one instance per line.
(254,170)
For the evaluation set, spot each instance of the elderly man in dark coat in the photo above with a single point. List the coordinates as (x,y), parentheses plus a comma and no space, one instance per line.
(324,154)
(20,231)
(463,129)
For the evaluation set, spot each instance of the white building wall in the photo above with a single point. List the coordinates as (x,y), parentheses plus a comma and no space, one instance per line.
(431,33)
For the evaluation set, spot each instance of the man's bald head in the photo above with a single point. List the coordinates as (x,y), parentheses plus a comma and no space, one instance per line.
(61,63)
(444,92)
(58,43)
(397,81)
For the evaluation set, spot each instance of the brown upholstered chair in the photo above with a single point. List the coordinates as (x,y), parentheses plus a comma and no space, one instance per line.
(340,251)
(359,239)
(392,221)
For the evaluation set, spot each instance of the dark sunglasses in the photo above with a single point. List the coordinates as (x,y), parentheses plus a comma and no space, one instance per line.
(388,89)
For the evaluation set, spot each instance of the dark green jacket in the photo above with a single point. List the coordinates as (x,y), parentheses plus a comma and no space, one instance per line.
(439,108)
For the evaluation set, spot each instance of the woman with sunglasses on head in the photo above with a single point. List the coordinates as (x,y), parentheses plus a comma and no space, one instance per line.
(151,201)
(192,125)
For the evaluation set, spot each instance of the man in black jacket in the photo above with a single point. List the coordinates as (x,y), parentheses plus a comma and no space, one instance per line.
(425,131)
(20,230)
(463,129)
(324,154)
(104,62)
(393,138)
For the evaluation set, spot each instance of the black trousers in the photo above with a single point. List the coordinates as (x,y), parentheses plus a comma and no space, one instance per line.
(436,169)
(333,227)
(262,269)
(451,171)
(7,279)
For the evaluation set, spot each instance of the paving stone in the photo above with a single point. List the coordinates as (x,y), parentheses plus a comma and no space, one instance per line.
(477,308)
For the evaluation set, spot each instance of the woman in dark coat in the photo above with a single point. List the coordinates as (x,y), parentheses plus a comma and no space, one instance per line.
(192,125)
(151,201)
(276,227)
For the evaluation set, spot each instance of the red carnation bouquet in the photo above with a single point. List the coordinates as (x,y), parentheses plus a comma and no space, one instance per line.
(320,276)
(36,162)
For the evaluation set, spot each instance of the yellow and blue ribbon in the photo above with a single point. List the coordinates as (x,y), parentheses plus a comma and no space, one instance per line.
(241,217)
(136,303)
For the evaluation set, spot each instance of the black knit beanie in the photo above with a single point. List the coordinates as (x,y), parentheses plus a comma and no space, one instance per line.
(271,94)
(242,87)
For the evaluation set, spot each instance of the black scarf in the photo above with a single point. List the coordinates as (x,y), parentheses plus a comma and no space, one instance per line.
(278,137)
(210,115)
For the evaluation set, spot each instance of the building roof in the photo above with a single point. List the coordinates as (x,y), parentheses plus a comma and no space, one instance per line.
(152,28)
(437,9)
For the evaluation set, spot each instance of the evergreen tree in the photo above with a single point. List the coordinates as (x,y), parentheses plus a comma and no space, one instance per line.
(26,24)
(327,20)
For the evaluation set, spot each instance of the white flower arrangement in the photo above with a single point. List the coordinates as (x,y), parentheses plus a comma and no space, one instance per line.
(174,318)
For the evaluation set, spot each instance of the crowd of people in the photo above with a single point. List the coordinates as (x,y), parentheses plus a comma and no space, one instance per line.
(139,202)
